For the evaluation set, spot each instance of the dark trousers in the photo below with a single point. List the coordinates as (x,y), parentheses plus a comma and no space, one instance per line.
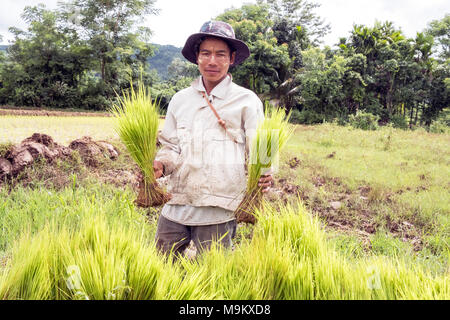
(175,237)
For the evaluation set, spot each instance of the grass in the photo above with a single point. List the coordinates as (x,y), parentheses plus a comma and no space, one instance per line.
(109,254)
(63,129)
(397,185)
(389,239)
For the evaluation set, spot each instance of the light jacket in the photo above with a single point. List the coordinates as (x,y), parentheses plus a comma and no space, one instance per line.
(206,167)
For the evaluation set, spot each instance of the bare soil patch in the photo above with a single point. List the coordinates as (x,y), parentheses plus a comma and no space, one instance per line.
(10,111)
(40,158)
(354,212)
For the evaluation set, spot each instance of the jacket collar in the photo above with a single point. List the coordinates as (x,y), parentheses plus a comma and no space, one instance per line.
(220,91)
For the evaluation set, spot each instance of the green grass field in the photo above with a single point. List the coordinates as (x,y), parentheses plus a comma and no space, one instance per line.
(353,215)
(62,129)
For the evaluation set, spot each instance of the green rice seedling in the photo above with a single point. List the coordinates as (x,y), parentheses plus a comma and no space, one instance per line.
(316,271)
(288,258)
(99,261)
(137,126)
(271,136)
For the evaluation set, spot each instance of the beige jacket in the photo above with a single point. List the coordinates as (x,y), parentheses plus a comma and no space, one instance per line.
(206,167)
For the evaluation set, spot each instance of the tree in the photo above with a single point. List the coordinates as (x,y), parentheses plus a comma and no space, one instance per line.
(290,14)
(79,55)
(440,30)
(268,60)
(178,69)
(296,25)
(120,48)
(321,80)
(44,64)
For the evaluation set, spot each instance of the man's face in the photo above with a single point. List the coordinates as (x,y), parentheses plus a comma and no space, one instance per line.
(214,60)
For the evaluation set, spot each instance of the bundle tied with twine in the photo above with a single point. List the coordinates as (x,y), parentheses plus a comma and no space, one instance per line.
(271,136)
(137,126)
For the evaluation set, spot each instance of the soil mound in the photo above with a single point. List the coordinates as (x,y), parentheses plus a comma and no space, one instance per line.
(42,146)
(93,152)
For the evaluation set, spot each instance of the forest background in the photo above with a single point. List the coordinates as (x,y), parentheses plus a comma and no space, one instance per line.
(81,54)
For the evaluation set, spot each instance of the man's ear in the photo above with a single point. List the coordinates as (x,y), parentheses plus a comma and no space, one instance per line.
(233,56)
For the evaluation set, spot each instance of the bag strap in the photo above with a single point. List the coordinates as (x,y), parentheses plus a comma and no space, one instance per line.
(221,122)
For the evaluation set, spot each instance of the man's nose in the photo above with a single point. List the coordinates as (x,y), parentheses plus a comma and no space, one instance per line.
(213,59)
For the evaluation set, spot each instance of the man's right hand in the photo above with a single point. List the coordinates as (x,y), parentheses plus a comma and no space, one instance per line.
(158,168)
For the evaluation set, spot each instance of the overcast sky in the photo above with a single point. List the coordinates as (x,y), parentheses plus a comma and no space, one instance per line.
(180,18)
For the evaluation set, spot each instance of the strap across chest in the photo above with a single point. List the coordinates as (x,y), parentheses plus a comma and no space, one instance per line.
(221,121)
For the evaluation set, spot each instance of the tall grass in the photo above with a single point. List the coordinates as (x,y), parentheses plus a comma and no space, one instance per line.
(287,258)
(137,126)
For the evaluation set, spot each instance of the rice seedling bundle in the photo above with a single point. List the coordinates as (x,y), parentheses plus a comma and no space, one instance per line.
(137,126)
(271,136)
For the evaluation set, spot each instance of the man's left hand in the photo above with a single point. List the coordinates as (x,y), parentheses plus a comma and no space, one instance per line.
(265,182)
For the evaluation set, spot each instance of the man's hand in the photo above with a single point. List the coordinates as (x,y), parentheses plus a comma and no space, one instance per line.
(265,182)
(158,168)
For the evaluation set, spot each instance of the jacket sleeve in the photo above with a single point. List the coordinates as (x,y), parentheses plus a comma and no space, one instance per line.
(170,149)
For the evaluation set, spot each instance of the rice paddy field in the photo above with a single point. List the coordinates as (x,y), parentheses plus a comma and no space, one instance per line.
(354,215)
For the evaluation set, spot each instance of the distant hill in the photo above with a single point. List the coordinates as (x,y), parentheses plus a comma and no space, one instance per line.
(3,47)
(164,54)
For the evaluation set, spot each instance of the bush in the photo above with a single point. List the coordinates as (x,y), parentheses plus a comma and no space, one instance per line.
(341,120)
(399,121)
(363,120)
(438,126)
(306,117)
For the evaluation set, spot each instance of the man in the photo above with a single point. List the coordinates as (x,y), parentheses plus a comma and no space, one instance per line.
(205,140)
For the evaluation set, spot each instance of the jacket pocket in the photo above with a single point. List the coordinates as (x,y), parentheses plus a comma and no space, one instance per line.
(226,165)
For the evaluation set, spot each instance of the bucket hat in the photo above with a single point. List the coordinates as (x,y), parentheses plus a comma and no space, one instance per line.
(221,30)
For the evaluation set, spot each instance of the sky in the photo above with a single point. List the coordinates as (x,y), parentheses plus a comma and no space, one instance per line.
(180,18)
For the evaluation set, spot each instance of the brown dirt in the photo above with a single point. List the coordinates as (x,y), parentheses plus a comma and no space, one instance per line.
(38,161)
(294,163)
(11,111)
(41,150)
(345,210)
(93,152)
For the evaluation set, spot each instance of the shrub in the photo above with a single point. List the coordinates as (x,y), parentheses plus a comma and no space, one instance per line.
(305,117)
(438,126)
(363,120)
(295,116)
(399,121)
